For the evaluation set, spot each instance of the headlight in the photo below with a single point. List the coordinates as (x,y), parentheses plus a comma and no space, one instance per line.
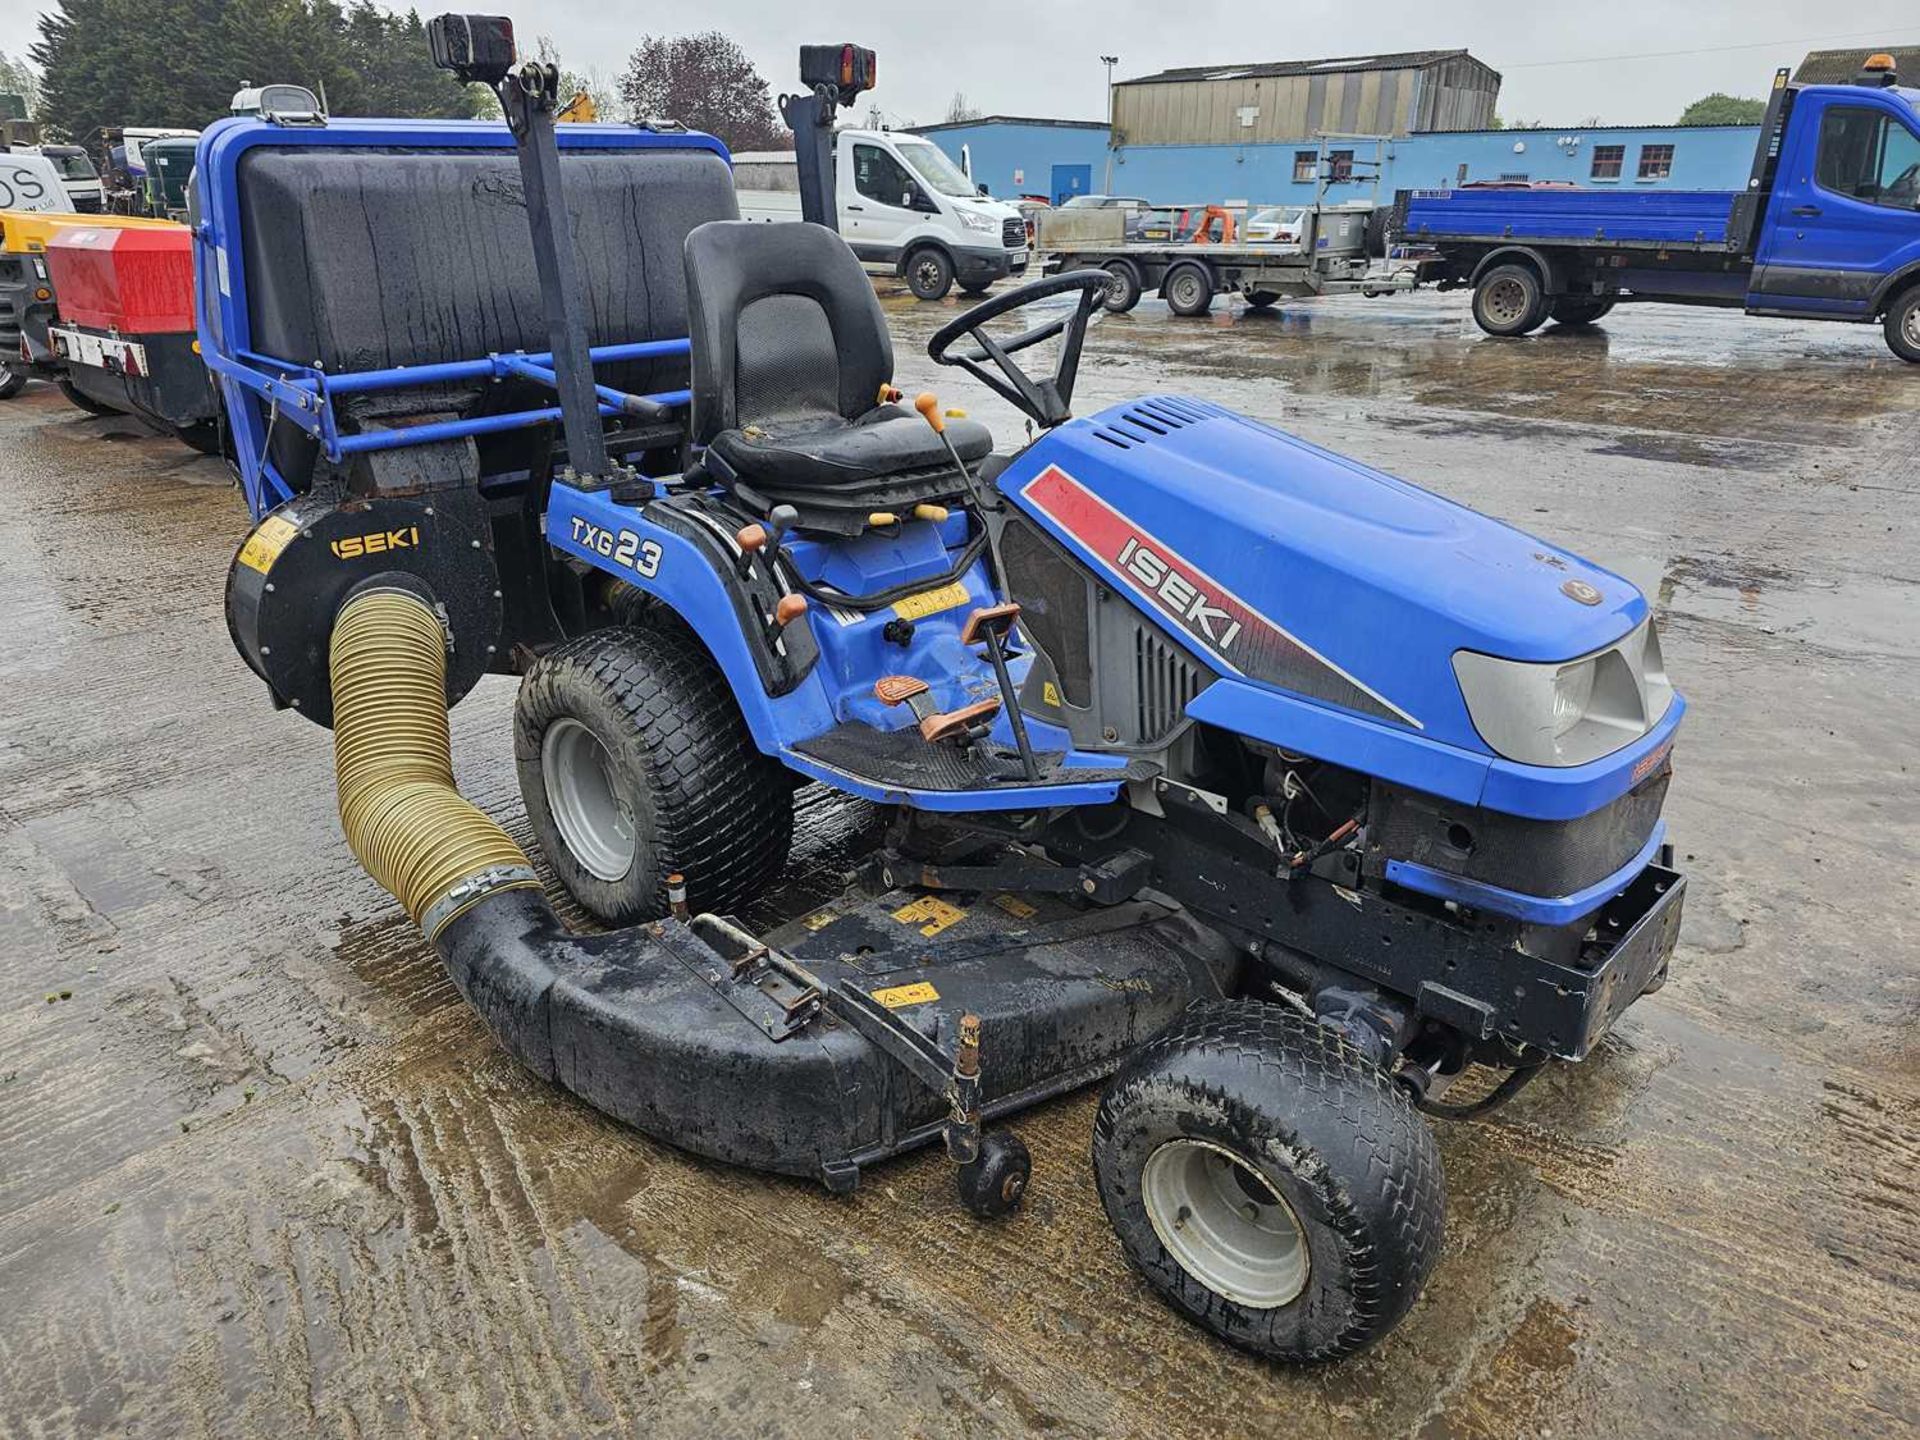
(1569,712)
(974,220)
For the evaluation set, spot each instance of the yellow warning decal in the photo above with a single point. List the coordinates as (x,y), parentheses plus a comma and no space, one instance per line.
(1049,694)
(269,538)
(931,602)
(930,914)
(901,996)
(1015,906)
(819,919)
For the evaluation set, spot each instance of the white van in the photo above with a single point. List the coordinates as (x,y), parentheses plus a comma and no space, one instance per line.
(78,175)
(904,208)
(31,182)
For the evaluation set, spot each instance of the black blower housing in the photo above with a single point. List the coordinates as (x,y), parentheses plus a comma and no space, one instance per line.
(306,557)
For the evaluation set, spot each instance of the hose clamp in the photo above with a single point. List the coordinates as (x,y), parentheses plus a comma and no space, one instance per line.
(471,889)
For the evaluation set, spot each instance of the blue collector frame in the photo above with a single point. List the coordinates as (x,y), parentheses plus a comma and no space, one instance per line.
(260,390)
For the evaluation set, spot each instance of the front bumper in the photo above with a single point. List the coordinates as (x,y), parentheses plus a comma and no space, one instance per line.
(975,267)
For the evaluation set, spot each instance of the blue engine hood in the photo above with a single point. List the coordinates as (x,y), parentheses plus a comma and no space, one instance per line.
(1295,570)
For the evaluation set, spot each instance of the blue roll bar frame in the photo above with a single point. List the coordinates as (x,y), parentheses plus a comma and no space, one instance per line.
(260,390)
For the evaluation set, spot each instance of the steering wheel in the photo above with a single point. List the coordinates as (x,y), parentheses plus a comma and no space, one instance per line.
(1048,401)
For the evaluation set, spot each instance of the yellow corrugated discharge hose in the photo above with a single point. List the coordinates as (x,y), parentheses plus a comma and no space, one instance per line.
(433,851)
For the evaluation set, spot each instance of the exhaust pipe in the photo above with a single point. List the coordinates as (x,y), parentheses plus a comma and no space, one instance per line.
(393,762)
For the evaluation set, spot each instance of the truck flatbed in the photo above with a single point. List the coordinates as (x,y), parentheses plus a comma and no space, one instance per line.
(1663,219)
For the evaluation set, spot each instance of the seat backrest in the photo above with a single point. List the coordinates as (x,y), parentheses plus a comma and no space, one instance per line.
(785,325)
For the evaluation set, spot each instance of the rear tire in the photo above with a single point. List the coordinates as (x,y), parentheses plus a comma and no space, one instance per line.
(929,273)
(78,397)
(1509,300)
(1269,1182)
(1189,289)
(635,763)
(974,292)
(1573,312)
(1262,299)
(1903,326)
(12,382)
(1124,286)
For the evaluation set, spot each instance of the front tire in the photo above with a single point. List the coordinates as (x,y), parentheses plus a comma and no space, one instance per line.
(12,382)
(635,763)
(929,273)
(1262,299)
(1509,301)
(1124,286)
(1269,1182)
(1903,326)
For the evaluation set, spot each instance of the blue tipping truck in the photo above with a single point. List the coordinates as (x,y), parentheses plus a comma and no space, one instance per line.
(1827,229)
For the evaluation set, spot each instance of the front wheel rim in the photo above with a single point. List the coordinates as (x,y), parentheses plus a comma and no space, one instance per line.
(927,272)
(1910,327)
(1225,1224)
(588,809)
(1186,290)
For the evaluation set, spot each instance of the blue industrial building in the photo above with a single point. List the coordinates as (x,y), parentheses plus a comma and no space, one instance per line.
(1012,155)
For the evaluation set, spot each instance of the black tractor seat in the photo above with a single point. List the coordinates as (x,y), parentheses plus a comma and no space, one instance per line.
(791,357)
(808,451)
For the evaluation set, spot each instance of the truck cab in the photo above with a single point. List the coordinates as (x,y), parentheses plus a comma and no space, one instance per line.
(78,177)
(1842,222)
(904,209)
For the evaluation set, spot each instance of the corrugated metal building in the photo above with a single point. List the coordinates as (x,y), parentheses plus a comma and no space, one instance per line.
(1405,94)
(1838,67)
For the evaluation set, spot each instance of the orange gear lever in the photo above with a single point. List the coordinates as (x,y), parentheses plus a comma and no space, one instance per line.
(928,404)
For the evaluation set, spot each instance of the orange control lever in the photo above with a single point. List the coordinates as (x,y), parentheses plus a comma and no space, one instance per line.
(750,537)
(789,609)
(928,404)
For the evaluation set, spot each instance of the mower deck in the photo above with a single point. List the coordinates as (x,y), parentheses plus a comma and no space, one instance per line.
(832,1045)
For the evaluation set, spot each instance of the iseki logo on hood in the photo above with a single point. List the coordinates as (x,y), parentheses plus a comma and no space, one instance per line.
(1183,597)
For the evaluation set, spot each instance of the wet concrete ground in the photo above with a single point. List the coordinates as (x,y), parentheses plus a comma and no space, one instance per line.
(262,1173)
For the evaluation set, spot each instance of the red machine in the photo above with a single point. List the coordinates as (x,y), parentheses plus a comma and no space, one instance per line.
(126,329)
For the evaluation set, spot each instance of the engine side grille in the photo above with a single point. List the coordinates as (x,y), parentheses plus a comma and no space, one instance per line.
(1165,681)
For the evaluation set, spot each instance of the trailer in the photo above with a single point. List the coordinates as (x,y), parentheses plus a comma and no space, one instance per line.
(1331,257)
(1827,228)
(1206,253)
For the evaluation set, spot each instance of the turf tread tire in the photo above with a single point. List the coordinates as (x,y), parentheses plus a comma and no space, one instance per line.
(1369,1193)
(707,802)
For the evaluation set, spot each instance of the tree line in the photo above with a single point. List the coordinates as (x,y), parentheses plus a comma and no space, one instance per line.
(177,63)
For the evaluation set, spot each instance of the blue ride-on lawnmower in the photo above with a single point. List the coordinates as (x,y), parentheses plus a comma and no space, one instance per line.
(1275,789)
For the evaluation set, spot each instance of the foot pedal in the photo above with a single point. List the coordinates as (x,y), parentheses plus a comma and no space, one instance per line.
(990,625)
(935,725)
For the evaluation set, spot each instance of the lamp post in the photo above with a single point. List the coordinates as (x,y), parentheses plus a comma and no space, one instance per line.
(1109,61)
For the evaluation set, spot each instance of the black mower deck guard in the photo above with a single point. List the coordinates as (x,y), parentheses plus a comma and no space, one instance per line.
(820,1053)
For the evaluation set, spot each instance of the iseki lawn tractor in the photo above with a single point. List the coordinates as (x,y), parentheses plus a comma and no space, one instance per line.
(1273,791)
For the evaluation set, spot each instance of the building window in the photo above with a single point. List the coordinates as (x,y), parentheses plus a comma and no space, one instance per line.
(1608,160)
(1656,162)
(1339,166)
(1306,164)
(1868,155)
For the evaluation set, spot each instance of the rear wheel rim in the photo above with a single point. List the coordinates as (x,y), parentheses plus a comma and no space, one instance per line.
(588,808)
(1225,1224)
(1910,326)
(1506,302)
(1186,290)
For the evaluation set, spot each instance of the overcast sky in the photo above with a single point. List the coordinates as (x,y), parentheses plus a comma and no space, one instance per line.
(1015,57)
